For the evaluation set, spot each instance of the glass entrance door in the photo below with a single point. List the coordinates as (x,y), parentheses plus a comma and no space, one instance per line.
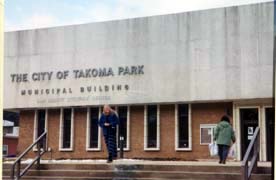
(249,118)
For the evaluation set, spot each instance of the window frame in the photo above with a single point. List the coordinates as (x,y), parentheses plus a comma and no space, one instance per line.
(146,129)
(212,126)
(35,131)
(189,148)
(238,127)
(88,131)
(61,130)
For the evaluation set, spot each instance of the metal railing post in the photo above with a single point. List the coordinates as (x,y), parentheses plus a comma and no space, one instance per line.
(38,154)
(18,169)
(12,172)
(41,140)
(253,153)
(45,143)
(244,172)
(256,153)
(121,147)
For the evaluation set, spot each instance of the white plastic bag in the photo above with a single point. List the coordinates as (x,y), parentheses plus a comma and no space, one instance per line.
(213,148)
(232,151)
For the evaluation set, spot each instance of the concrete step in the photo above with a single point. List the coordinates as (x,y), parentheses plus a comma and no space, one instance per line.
(85,178)
(81,178)
(164,167)
(145,167)
(254,177)
(133,174)
(152,171)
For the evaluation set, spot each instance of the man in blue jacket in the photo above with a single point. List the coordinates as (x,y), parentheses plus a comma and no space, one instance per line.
(108,122)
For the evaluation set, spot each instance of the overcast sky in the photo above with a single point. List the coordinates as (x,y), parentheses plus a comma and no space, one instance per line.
(29,14)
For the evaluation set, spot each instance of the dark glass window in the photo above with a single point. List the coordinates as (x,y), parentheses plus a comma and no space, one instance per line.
(183,125)
(41,115)
(7,130)
(152,126)
(94,130)
(122,113)
(67,118)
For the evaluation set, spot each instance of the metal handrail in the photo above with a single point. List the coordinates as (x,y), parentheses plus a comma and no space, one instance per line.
(17,162)
(247,170)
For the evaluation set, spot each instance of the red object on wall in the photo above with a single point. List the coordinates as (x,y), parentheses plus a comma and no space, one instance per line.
(11,142)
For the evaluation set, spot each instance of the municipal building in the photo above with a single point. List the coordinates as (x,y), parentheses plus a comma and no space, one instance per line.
(169,77)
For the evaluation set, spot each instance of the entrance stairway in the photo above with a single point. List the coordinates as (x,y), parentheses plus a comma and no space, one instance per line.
(140,170)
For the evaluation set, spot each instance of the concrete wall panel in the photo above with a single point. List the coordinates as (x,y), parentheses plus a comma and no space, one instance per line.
(217,54)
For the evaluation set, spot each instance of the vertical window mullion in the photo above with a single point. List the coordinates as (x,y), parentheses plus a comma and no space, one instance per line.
(128,127)
(87,128)
(35,127)
(61,129)
(72,129)
(158,127)
(99,130)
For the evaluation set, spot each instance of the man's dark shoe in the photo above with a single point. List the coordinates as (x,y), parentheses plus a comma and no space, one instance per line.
(109,161)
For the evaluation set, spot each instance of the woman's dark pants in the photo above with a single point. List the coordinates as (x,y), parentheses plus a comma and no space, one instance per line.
(223,152)
(111,144)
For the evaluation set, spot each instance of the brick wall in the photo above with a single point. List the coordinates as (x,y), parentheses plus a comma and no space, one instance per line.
(208,113)
(12,145)
(26,130)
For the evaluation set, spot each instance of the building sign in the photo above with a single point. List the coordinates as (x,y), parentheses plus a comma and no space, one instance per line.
(76,74)
(77,92)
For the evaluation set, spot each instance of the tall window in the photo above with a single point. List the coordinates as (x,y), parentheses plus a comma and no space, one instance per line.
(152,128)
(123,130)
(183,127)
(40,124)
(66,129)
(41,115)
(93,132)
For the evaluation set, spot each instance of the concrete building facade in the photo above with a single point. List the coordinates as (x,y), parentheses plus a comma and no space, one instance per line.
(170,78)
